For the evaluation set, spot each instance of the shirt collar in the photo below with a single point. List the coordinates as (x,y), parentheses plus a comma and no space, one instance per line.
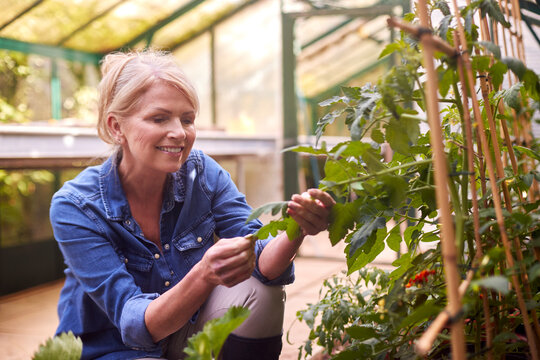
(112,193)
(114,198)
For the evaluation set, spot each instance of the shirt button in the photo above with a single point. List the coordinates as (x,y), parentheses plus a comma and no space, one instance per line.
(199,239)
(156,256)
(127,222)
(167,246)
(172,272)
(167,283)
(126,260)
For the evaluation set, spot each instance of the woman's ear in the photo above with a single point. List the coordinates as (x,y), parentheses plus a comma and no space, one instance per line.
(115,129)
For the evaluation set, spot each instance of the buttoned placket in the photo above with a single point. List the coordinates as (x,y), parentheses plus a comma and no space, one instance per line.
(161,261)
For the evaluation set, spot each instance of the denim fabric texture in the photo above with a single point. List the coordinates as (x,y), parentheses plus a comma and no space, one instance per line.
(113,272)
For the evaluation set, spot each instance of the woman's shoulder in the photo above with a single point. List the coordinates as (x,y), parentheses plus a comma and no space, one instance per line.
(85,184)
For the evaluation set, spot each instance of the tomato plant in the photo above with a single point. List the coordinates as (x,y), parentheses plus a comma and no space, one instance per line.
(375,196)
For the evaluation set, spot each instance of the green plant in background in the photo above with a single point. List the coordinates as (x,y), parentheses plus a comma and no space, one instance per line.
(65,346)
(207,344)
(375,196)
(22,194)
(13,69)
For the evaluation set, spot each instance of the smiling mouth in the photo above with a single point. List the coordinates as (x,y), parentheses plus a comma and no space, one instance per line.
(170,149)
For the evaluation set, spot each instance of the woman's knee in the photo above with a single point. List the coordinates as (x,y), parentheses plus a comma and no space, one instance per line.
(266,305)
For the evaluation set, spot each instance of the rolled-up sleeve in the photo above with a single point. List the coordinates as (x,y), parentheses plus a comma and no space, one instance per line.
(99,271)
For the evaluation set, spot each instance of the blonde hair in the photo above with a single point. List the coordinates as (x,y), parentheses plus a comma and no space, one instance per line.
(127,76)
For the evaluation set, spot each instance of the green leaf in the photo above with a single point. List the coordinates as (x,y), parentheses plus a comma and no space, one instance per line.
(307,150)
(443,27)
(443,6)
(341,220)
(497,283)
(492,48)
(373,160)
(274,208)
(65,346)
(420,314)
(481,63)
(491,8)
(531,153)
(516,66)
(402,264)
(361,333)
(377,136)
(293,229)
(364,258)
(394,239)
(395,188)
(497,71)
(446,81)
(532,84)
(272,228)
(512,96)
(353,148)
(333,100)
(389,49)
(359,238)
(207,344)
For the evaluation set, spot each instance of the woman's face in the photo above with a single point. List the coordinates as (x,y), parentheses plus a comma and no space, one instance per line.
(160,133)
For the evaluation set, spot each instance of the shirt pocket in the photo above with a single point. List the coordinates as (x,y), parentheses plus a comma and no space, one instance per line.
(140,268)
(193,242)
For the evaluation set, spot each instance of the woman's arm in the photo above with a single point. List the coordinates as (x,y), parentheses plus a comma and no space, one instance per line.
(228,262)
(311,211)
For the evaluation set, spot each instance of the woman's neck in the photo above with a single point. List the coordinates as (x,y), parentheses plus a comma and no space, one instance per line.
(141,185)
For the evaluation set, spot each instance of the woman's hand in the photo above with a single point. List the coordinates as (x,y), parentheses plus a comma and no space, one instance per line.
(229,261)
(311,210)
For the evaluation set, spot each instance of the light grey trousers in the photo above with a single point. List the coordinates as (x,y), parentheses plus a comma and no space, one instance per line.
(265,303)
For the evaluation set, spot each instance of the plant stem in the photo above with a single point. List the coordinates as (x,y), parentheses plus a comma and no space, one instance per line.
(382,172)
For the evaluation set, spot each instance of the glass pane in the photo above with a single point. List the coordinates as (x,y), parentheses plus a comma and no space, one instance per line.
(11,8)
(248,71)
(55,19)
(191,23)
(126,22)
(341,55)
(79,93)
(194,59)
(25,90)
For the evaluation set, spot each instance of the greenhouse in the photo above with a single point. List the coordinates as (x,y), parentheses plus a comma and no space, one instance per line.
(334,80)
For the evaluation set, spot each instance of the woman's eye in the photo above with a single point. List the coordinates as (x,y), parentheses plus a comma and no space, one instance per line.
(188,121)
(159,119)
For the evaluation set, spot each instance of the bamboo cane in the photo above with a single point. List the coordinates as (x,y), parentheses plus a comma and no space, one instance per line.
(474,199)
(492,180)
(448,245)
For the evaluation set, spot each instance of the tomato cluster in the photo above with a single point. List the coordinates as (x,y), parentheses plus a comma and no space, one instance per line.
(420,278)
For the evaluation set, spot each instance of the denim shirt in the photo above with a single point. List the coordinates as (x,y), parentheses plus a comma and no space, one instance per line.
(113,272)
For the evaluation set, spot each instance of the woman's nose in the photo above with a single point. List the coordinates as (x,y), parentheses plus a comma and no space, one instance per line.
(176,131)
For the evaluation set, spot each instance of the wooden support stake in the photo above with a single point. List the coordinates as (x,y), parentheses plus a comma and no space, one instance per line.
(424,34)
(448,243)
(531,336)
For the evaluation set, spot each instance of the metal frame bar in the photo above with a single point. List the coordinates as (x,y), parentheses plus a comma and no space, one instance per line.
(13,19)
(50,51)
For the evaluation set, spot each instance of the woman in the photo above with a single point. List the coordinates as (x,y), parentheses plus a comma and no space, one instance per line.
(137,232)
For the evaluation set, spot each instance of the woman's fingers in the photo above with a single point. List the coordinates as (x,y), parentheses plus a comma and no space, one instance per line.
(311,210)
(230,261)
